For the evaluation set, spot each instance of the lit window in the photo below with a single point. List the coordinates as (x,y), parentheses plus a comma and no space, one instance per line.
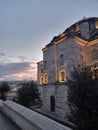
(45,78)
(62,76)
(41,80)
(61,59)
(96,24)
(77,28)
(96,73)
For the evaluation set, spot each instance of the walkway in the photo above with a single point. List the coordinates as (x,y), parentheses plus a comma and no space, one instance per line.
(6,124)
(53,116)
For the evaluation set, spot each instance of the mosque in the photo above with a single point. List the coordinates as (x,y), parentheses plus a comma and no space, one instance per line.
(76,46)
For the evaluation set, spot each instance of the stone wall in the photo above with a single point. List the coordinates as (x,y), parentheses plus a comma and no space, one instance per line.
(27,119)
(40,68)
(93,57)
(49,57)
(68,44)
(60,94)
(69,48)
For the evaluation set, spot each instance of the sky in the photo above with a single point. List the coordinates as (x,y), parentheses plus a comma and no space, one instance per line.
(26,26)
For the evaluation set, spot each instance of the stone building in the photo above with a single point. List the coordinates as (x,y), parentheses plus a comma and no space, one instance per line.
(77,45)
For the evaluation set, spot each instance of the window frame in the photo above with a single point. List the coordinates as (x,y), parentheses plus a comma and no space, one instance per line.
(96,24)
(60,76)
(77,28)
(45,78)
(61,57)
(41,80)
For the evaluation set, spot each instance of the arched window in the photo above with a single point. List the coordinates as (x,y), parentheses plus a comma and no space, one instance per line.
(45,78)
(41,68)
(94,54)
(52,103)
(41,80)
(61,59)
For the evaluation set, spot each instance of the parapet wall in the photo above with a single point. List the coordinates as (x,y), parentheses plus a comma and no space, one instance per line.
(1,104)
(27,119)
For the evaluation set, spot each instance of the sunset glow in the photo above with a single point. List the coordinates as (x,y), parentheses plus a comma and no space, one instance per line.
(26,26)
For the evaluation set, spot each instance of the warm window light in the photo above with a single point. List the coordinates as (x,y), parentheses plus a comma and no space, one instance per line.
(96,73)
(96,24)
(41,80)
(45,78)
(62,76)
(77,27)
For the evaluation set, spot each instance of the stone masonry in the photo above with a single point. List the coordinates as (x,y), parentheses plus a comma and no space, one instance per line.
(76,46)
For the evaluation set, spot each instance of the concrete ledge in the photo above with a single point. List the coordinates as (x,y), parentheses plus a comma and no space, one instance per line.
(1,104)
(27,119)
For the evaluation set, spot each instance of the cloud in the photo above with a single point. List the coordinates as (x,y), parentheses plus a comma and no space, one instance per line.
(17,67)
(2,54)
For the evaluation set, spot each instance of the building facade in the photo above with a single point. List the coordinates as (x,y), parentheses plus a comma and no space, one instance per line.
(76,46)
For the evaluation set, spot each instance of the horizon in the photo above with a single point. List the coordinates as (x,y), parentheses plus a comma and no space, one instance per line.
(27,26)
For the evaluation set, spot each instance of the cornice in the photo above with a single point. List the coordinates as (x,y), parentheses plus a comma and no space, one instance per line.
(61,40)
(40,62)
(92,42)
(44,49)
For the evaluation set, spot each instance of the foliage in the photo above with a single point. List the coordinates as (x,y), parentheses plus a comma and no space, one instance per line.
(4,88)
(28,93)
(83,99)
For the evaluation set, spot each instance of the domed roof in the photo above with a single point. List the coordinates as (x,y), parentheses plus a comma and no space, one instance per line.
(71,31)
(87,19)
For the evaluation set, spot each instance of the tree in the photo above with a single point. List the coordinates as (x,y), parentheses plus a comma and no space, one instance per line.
(83,99)
(4,88)
(28,93)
